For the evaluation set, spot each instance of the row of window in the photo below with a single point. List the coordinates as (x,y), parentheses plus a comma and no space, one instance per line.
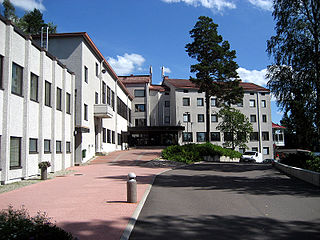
(215,103)
(214,118)
(108,136)
(228,136)
(15,149)
(17,85)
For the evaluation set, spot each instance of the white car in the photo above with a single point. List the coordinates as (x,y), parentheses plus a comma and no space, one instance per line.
(251,156)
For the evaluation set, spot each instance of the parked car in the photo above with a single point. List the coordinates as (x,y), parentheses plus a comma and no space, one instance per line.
(269,160)
(251,156)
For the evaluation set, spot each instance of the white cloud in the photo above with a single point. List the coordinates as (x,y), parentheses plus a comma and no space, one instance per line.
(255,76)
(263,4)
(212,4)
(126,64)
(28,5)
(166,70)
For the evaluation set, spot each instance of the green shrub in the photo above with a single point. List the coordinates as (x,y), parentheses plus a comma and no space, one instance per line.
(18,224)
(191,153)
(302,160)
(314,164)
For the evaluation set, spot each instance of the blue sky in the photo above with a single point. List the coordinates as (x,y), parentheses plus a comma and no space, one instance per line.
(136,34)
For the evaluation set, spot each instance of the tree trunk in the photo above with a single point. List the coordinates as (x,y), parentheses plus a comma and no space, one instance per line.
(207,117)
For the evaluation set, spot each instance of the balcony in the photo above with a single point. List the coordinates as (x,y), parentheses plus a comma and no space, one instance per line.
(103,111)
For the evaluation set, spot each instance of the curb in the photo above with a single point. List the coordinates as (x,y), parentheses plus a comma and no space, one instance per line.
(127,231)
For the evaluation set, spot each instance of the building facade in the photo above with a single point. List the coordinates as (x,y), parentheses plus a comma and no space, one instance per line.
(36,102)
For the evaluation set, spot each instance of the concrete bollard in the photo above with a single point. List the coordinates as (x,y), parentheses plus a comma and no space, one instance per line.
(132,188)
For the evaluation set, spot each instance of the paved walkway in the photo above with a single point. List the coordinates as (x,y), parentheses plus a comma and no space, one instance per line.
(90,203)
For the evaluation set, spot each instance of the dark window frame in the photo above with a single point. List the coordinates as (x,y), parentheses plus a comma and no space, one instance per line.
(201,118)
(20,81)
(97,69)
(1,71)
(216,138)
(57,144)
(49,141)
(36,150)
(113,138)
(187,137)
(201,102)
(254,137)
(108,136)
(104,93)
(68,103)
(253,118)
(96,98)
(47,98)
(59,99)
(198,134)
(85,112)
(19,153)
(216,115)
(36,97)
(137,107)
(265,136)
(104,135)
(186,101)
(108,95)
(86,74)
(68,147)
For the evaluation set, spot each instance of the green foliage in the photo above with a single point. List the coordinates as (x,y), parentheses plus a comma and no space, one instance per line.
(18,224)
(9,11)
(294,77)
(302,160)
(191,153)
(44,164)
(237,124)
(314,164)
(215,71)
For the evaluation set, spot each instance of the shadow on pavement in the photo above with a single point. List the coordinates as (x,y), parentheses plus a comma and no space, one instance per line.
(223,228)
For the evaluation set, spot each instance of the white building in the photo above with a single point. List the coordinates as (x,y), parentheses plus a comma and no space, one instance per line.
(102,103)
(36,107)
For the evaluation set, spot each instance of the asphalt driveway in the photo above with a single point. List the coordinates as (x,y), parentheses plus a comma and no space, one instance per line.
(229,201)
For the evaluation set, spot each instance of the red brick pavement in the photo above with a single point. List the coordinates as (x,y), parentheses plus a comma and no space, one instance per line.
(90,203)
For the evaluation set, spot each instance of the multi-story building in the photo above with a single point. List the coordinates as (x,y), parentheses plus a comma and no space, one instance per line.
(178,103)
(36,102)
(102,103)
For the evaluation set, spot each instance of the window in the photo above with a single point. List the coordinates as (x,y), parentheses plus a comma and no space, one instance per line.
(1,70)
(263,103)
(253,118)
(252,93)
(167,103)
(15,152)
(140,107)
(96,98)
(47,147)
(104,135)
(122,108)
(140,122)
(112,99)
(167,119)
(199,101)
(108,95)
(201,136)
(139,93)
(264,118)
(255,149)
(34,87)
(129,115)
(68,147)
(186,101)
(59,93)
(187,137)
(47,94)
(215,136)
(119,139)
(241,136)
(108,136)
(58,147)
(85,112)
(33,145)
(252,103)
(185,91)
(186,117)
(113,137)
(242,150)
(214,118)
(228,136)
(254,136)
(213,102)
(200,117)
(104,89)
(265,136)
(97,70)
(16,84)
(265,150)
(68,103)
(85,74)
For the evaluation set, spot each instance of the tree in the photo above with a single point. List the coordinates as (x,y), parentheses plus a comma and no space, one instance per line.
(32,22)
(9,11)
(235,126)
(294,77)
(216,69)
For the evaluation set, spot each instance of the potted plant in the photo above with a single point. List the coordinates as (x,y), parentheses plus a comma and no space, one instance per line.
(44,166)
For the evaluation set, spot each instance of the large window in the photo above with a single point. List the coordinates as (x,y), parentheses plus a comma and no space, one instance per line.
(186,117)
(201,136)
(254,136)
(68,102)
(59,95)
(265,136)
(47,94)
(15,152)
(85,74)
(108,136)
(200,117)
(113,137)
(112,99)
(34,87)
(16,84)
(104,96)
(187,137)
(140,107)
(85,112)
(253,118)
(47,146)
(213,102)
(33,145)
(108,95)
(58,147)
(199,101)
(68,147)
(228,136)
(1,70)
(122,108)
(263,103)
(139,93)
(104,135)
(252,103)
(186,101)
(215,137)
(214,118)
(265,150)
